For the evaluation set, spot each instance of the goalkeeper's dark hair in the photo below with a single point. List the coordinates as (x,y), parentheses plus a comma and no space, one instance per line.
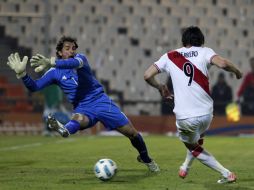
(60,43)
(193,36)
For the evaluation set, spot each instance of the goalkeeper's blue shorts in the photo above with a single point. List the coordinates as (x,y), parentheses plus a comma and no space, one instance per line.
(104,110)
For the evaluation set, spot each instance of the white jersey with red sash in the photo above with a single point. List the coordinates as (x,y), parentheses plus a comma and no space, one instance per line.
(188,68)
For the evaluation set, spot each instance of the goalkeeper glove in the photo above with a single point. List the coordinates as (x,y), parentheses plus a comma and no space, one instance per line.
(41,63)
(15,63)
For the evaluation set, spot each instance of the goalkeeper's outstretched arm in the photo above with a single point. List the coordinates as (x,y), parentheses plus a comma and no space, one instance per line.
(18,66)
(42,63)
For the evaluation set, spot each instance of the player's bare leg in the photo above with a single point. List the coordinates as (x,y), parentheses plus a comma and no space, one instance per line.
(184,168)
(137,141)
(207,159)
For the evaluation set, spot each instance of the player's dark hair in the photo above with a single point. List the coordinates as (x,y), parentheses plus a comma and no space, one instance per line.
(193,36)
(60,43)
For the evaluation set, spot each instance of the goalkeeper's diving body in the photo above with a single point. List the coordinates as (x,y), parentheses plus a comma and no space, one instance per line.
(72,73)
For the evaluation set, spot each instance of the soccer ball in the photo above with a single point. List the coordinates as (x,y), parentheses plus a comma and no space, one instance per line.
(105,169)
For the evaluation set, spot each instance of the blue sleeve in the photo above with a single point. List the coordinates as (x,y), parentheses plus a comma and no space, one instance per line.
(35,85)
(77,62)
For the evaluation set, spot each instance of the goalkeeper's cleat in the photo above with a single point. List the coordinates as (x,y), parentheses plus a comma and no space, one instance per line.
(57,126)
(152,166)
(231,178)
(182,173)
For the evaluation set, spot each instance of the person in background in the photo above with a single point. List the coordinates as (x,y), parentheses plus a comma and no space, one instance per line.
(167,107)
(246,92)
(221,94)
(53,104)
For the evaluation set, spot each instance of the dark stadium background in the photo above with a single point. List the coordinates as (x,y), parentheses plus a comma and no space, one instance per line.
(121,38)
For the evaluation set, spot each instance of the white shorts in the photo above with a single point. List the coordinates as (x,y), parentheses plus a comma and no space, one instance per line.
(190,129)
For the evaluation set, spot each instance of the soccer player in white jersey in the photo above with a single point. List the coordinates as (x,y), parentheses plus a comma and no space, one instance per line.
(188,68)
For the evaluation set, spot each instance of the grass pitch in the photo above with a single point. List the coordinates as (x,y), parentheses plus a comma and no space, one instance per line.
(30,162)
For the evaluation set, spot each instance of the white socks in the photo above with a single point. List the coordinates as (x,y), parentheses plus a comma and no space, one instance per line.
(207,159)
(188,161)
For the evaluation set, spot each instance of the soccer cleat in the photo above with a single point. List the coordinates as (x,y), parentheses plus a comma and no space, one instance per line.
(57,126)
(152,166)
(182,173)
(230,179)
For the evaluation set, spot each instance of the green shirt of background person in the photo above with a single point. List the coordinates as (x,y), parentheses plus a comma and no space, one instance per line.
(53,97)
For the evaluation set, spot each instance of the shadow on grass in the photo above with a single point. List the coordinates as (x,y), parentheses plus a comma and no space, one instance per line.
(128,176)
(132,176)
(230,186)
(11,164)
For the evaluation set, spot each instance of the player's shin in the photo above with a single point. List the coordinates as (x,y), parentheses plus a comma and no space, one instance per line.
(140,145)
(188,161)
(190,158)
(72,126)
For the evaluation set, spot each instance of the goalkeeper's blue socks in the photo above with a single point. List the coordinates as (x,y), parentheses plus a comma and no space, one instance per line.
(140,145)
(72,126)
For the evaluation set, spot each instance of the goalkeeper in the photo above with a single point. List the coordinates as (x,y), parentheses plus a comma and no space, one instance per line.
(72,73)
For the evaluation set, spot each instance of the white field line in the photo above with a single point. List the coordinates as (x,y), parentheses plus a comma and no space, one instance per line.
(34,145)
(20,146)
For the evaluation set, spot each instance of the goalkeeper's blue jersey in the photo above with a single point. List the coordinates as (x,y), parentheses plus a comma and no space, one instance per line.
(74,76)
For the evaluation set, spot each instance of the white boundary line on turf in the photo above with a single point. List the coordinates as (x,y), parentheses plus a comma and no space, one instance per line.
(34,145)
(21,146)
